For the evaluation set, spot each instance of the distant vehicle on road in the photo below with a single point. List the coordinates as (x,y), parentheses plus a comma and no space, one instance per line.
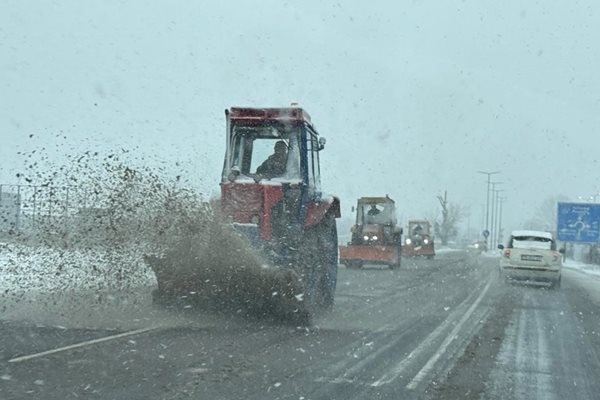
(419,241)
(376,237)
(531,256)
(477,247)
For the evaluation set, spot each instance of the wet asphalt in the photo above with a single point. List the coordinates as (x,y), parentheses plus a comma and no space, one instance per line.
(434,329)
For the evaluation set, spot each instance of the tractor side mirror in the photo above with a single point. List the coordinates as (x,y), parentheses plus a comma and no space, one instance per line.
(501,246)
(234,173)
(322,142)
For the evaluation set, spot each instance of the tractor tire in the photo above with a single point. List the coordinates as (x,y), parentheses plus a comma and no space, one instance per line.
(318,258)
(354,264)
(329,256)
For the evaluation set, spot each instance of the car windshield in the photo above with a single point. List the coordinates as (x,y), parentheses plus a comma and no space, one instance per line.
(299,200)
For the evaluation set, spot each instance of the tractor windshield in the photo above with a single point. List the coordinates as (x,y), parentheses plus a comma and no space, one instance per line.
(418,228)
(266,151)
(375,213)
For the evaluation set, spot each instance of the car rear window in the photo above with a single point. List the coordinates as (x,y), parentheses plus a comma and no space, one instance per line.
(531,242)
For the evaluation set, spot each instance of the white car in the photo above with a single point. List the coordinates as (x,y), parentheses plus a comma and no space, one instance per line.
(531,256)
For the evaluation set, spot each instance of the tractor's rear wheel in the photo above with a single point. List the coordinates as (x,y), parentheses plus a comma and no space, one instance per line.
(319,261)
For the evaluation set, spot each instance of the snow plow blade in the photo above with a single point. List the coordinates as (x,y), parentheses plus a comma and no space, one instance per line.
(218,270)
(368,253)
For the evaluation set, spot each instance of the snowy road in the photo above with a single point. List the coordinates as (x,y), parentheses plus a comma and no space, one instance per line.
(443,328)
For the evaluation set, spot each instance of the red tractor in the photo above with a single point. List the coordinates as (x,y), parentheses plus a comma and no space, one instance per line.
(376,238)
(271,192)
(419,241)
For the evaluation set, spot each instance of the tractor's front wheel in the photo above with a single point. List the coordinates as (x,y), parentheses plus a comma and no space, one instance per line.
(354,264)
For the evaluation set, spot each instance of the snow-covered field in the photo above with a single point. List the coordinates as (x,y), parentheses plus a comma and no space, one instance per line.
(46,269)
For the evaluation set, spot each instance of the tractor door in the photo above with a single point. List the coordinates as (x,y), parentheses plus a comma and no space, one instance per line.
(313,169)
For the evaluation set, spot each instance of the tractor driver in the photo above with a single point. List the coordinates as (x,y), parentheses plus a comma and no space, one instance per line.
(275,164)
(373,210)
(372,216)
(417,230)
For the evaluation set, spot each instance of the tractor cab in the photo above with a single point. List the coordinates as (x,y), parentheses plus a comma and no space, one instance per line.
(271,179)
(419,239)
(376,237)
(375,219)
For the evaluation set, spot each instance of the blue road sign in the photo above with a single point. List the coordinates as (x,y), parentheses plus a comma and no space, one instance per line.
(578,222)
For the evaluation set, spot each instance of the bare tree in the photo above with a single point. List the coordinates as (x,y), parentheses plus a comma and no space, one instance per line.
(452,215)
(544,218)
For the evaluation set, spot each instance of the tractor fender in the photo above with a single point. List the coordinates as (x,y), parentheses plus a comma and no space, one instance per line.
(317,210)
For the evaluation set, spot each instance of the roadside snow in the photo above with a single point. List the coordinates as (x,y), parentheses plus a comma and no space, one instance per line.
(492,254)
(440,250)
(590,269)
(46,269)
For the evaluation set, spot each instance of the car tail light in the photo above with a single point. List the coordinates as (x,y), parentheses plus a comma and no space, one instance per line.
(507,253)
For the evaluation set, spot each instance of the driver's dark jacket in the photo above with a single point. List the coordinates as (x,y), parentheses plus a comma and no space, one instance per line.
(272,166)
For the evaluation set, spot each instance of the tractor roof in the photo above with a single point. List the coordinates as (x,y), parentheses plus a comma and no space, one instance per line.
(371,200)
(254,115)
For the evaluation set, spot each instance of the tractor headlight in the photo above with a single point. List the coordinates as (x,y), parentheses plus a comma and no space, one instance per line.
(426,241)
(365,237)
(374,237)
(408,241)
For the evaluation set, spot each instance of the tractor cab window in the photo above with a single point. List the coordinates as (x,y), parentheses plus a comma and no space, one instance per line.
(418,228)
(269,152)
(375,214)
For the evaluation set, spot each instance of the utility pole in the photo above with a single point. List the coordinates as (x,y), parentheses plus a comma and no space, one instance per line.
(487,203)
(496,219)
(500,235)
(494,211)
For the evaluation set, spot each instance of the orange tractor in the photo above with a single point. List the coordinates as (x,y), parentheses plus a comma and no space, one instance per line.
(376,237)
(419,241)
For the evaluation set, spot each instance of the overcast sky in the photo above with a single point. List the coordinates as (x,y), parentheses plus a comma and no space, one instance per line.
(413,97)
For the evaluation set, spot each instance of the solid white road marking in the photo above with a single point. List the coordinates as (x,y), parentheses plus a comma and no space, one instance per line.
(427,368)
(81,344)
(423,346)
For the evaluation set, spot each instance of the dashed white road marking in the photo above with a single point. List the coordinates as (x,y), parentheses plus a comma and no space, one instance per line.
(81,344)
